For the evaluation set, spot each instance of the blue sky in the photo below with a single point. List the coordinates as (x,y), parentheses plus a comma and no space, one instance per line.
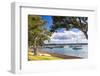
(49,23)
(48,20)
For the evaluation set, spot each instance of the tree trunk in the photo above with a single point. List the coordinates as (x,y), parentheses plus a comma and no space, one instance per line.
(35,51)
(86,35)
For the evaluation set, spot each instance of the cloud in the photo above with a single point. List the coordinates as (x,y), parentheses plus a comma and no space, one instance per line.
(67,37)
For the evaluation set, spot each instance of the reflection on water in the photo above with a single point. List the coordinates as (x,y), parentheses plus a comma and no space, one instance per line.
(79,51)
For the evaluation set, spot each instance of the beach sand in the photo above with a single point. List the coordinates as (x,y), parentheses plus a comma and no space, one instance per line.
(60,55)
(43,55)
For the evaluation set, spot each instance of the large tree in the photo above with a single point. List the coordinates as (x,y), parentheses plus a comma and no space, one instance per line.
(80,23)
(37,33)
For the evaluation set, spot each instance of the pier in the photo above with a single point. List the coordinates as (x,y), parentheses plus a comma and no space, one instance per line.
(63,45)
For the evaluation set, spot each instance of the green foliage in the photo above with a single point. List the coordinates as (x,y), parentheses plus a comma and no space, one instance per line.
(36,31)
(69,23)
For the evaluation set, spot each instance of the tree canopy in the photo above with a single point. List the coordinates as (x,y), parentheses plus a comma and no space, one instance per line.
(80,23)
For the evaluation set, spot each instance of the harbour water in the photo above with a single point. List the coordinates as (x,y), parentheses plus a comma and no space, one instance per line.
(78,51)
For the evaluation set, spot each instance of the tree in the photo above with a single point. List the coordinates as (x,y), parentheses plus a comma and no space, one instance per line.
(37,33)
(69,23)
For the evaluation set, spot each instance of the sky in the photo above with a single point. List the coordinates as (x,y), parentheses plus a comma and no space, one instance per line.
(48,20)
(67,37)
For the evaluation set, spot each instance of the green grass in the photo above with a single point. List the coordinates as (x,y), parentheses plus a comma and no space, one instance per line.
(32,57)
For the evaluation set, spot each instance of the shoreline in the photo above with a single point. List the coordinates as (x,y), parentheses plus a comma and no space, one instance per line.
(60,55)
(44,55)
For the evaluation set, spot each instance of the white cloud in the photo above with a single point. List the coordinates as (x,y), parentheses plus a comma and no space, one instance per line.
(67,37)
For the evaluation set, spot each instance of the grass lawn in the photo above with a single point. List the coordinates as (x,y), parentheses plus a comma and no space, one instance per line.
(39,57)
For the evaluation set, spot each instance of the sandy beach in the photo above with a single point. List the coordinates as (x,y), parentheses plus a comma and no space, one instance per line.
(60,55)
(44,55)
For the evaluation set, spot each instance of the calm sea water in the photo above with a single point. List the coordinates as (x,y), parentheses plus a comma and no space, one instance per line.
(82,52)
